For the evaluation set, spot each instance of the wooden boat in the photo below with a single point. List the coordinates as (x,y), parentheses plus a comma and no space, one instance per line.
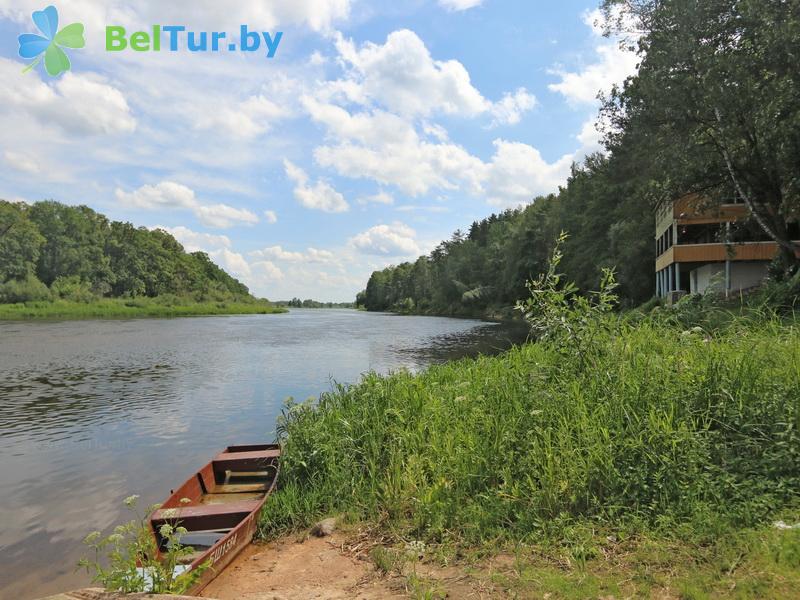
(219,506)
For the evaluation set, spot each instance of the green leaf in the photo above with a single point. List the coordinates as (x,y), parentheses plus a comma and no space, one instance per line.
(55,61)
(71,36)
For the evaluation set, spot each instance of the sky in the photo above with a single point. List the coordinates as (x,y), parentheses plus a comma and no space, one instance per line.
(376,130)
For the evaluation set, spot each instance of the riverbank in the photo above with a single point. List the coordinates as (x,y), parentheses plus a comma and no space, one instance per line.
(112,308)
(665,444)
(754,563)
(496,314)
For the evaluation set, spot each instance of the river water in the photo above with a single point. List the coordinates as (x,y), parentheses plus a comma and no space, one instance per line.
(94,411)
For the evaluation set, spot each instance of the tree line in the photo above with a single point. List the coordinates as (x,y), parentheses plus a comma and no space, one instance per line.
(714,109)
(309,303)
(49,250)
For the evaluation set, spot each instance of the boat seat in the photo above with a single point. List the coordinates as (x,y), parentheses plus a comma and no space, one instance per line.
(204,510)
(246,460)
(238,488)
(255,454)
(211,498)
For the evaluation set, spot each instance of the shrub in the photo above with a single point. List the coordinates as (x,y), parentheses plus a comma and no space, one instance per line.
(29,289)
(72,289)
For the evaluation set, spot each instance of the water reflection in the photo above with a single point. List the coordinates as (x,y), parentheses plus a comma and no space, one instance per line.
(93,411)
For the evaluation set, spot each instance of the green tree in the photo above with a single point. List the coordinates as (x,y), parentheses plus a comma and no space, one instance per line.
(715,106)
(20,242)
(74,243)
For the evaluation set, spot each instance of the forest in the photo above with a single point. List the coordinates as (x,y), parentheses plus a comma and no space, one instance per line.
(310,303)
(714,109)
(51,251)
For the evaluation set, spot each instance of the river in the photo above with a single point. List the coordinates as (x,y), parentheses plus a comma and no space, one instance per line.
(94,411)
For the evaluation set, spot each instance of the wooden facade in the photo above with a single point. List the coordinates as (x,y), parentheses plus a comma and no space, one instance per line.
(690,247)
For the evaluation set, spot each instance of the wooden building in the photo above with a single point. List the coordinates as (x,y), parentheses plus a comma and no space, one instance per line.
(701,246)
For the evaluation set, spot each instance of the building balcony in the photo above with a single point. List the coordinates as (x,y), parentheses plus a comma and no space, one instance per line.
(716,252)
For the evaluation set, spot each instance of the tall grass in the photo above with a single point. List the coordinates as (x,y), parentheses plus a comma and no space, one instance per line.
(168,306)
(656,427)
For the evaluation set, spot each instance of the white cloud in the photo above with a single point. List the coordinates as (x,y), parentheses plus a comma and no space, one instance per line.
(317,59)
(321,196)
(396,239)
(21,162)
(271,217)
(246,120)
(509,110)
(233,262)
(82,104)
(312,255)
(459,4)
(166,194)
(194,241)
(435,131)
(517,173)
(278,253)
(267,270)
(402,75)
(170,195)
(319,256)
(224,216)
(387,149)
(612,65)
(379,198)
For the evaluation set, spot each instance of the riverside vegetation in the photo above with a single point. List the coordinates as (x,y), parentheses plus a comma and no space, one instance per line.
(66,261)
(125,560)
(633,454)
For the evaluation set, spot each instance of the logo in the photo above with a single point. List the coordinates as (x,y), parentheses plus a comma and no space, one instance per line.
(177,36)
(51,43)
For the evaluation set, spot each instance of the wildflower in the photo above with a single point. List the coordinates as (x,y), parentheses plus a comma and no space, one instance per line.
(415,549)
(32,45)
(165,530)
(92,537)
(130,501)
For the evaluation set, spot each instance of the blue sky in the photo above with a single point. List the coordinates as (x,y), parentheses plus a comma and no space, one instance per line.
(376,130)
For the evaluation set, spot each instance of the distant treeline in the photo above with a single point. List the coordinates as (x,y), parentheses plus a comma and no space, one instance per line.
(52,251)
(297,303)
(488,266)
(714,110)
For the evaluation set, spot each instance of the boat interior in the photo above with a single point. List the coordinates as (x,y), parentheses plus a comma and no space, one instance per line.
(219,497)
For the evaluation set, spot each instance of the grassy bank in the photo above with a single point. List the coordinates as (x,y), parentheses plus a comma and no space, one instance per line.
(675,441)
(131,307)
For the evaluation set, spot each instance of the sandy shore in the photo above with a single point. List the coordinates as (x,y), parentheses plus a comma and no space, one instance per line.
(290,569)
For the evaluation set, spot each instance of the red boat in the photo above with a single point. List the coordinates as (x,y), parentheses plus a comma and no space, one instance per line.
(219,506)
